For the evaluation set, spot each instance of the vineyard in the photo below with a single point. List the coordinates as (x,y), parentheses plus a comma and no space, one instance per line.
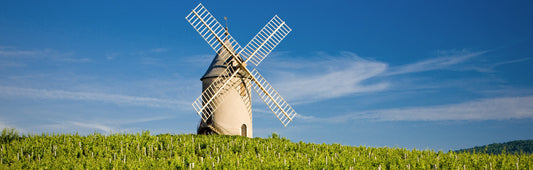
(186,151)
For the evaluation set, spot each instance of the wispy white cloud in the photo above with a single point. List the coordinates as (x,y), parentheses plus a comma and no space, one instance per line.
(109,125)
(11,64)
(13,52)
(446,60)
(141,120)
(96,126)
(142,53)
(352,74)
(200,59)
(151,51)
(89,96)
(347,73)
(490,68)
(331,78)
(112,55)
(511,61)
(18,53)
(502,108)
(101,124)
(17,56)
(5,47)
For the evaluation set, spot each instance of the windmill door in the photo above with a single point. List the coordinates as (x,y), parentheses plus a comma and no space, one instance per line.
(243,130)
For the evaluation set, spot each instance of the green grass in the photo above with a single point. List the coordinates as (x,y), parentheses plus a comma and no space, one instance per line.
(184,151)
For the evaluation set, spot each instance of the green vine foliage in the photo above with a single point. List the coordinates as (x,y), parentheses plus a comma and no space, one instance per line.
(187,151)
(9,135)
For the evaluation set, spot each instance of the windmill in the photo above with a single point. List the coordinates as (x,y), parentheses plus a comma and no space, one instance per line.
(225,103)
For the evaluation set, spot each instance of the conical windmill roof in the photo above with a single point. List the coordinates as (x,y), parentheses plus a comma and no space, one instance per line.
(221,61)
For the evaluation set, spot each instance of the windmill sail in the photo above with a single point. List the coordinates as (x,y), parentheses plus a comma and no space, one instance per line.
(270,96)
(210,29)
(265,41)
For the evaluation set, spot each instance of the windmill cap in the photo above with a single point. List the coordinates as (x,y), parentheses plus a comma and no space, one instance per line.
(221,61)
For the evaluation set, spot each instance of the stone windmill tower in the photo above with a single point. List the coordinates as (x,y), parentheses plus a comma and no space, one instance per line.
(225,103)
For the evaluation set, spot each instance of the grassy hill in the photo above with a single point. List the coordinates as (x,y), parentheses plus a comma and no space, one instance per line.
(187,151)
(513,147)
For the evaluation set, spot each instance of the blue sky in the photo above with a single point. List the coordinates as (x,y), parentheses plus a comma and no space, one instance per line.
(410,74)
